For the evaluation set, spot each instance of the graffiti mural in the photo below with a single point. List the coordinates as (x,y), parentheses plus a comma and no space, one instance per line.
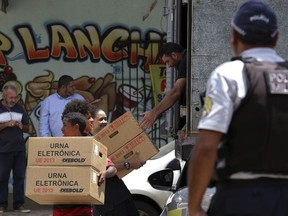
(109,57)
(98,91)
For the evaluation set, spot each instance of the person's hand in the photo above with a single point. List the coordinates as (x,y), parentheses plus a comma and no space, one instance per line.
(19,124)
(135,161)
(148,120)
(101,177)
(11,123)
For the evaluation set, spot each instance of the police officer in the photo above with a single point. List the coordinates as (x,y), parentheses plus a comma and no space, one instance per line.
(243,126)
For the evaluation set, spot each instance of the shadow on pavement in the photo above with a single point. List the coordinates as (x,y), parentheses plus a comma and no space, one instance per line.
(36,209)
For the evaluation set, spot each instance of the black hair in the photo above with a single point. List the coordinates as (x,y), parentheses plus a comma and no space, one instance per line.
(170,47)
(64,81)
(256,41)
(97,109)
(82,106)
(76,118)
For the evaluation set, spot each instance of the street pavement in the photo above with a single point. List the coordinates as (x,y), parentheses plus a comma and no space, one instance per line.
(36,209)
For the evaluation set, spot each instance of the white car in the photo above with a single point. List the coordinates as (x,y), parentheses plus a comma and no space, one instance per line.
(148,200)
(177,203)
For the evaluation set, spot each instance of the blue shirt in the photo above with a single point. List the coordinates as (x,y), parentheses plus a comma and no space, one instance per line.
(50,122)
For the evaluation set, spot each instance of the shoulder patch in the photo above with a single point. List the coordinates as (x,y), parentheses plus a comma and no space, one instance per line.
(207,106)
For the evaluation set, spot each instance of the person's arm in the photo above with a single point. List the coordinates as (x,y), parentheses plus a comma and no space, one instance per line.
(6,124)
(169,100)
(24,123)
(44,119)
(25,128)
(22,127)
(108,173)
(201,167)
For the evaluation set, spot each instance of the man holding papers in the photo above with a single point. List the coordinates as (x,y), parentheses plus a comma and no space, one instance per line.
(13,122)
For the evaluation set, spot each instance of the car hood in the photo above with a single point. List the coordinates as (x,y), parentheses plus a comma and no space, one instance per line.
(177,203)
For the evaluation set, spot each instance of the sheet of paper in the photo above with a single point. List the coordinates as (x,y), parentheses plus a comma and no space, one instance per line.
(8,116)
(16,116)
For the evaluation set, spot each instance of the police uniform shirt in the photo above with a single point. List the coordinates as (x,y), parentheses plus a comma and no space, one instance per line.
(226,87)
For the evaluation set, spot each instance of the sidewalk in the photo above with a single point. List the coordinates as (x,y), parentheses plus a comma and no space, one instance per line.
(36,209)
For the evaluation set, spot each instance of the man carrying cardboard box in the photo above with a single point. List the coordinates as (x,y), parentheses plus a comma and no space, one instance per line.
(83,107)
(74,124)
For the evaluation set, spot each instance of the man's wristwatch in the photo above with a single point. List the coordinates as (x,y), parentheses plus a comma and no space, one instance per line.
(127,165)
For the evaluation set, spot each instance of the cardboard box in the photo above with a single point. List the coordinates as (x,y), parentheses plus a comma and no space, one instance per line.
(142,144)
(120,131)
(123,138)
(64,185)
(66,151)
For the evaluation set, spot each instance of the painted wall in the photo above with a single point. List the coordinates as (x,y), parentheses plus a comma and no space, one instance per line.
(211,38)
(90,40)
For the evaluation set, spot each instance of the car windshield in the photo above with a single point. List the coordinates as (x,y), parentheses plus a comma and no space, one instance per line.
(164,150)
